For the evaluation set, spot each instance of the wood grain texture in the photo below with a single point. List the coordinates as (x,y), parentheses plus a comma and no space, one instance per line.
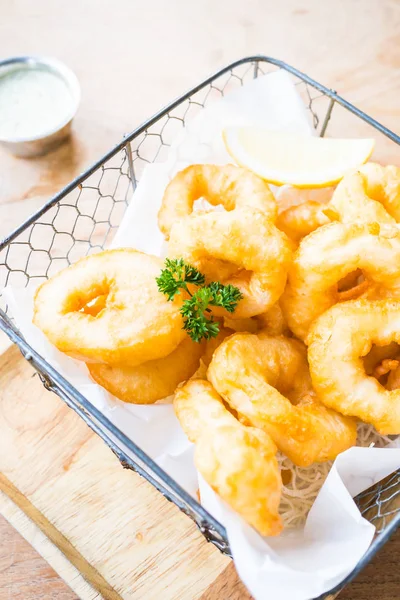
(61,541)
(45,551)
(17,558)
(133,57)
(380,579)
(227,586)
(126,539)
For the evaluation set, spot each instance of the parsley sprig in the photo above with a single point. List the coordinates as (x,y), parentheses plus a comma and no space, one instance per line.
(176,275)
(198,320)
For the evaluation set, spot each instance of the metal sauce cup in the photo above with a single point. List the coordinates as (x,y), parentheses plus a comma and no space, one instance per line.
(48,139)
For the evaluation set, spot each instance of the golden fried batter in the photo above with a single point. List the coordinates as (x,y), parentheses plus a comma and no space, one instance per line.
(273,322)
(338,341)
(329,254)
(299,221)
(267,381)
(242,248)
(371,193)
(238,462)
(228,185)
(152,380)
(137,322)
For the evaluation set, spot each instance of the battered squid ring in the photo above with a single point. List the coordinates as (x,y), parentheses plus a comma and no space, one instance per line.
(329,254)
(372,193)
(271,322)
(242,248)
(137,323)
(210,346)
(238,462)
(266,380)
(298,221)
(301,211)
(228,185)
(152,380)
(250,324)
(338,341)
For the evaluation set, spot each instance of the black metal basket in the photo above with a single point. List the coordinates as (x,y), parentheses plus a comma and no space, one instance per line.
(83,217)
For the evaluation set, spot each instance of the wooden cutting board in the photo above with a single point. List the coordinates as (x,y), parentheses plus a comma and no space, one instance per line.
(115,528)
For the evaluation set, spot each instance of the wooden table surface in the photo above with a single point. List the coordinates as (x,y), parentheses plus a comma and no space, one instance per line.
(131,58)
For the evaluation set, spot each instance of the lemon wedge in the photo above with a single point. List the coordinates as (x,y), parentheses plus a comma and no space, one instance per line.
(299,160)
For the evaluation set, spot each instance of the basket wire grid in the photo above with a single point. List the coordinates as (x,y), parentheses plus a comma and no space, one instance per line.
(83,218)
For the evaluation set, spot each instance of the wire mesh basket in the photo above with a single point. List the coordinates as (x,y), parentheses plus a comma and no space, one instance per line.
(83,218)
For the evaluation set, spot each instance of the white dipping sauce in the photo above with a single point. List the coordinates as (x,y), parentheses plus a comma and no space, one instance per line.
(33,102)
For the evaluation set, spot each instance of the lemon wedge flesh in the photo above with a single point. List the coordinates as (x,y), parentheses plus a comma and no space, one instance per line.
(299,160)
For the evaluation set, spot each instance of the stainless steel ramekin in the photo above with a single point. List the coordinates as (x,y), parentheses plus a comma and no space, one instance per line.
(46,141)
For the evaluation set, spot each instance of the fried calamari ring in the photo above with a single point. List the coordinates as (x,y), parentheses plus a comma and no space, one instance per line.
(383,185)
(212,344)
(267,381)
(338,341)
(152,380)
(301,211)
(299,221)
(371,193)
(238,462)
(228,185)
(271,322)
(242,248)
(329,254)
(137,323)
(250,325)
(288,196)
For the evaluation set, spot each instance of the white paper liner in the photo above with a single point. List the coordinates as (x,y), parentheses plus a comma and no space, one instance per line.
(301,485)
(307,559)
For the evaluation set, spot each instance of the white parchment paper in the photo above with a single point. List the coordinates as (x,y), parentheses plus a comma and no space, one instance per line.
(301,564)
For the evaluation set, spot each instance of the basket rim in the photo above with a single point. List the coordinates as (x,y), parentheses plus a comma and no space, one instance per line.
(83,405)
(257,58)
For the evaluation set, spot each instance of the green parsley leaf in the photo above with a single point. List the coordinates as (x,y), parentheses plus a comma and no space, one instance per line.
(176,275)
(226,296)
(198,320)
(195,321)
